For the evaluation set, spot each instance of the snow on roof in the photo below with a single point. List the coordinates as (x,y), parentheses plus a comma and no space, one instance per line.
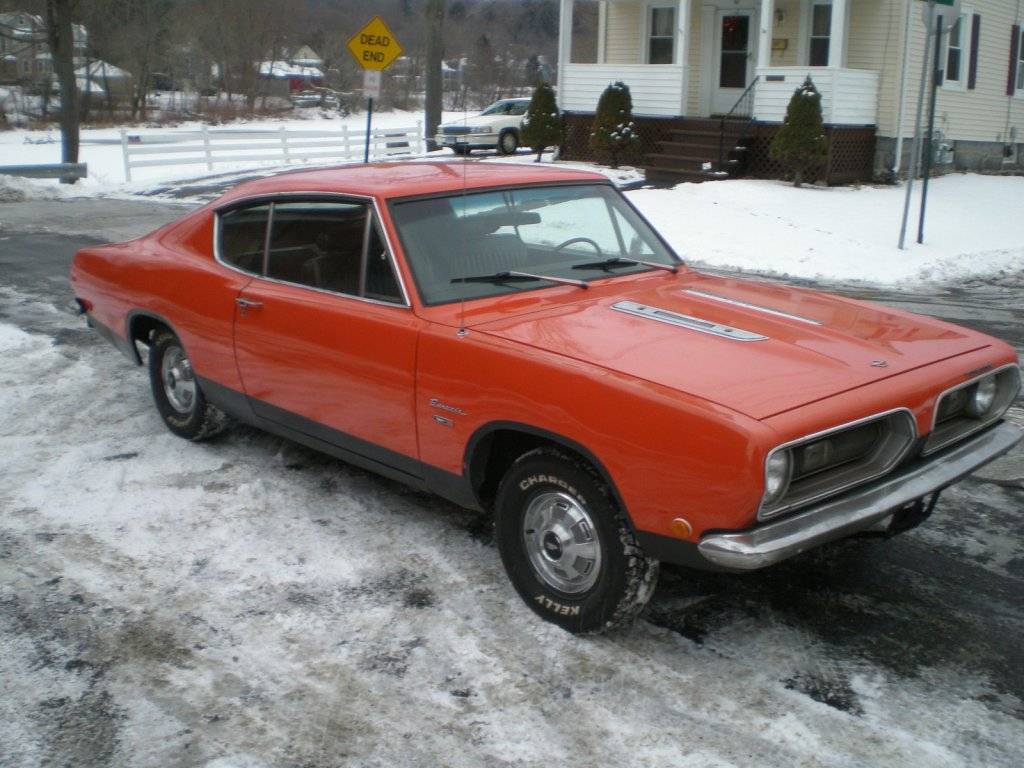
(102,69)
(283,69)
(86,84)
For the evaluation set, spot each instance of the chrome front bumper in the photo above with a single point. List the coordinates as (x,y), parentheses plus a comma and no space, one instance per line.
(858,510)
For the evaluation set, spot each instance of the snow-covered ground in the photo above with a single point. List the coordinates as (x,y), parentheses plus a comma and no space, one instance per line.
(845,233)
(247,603)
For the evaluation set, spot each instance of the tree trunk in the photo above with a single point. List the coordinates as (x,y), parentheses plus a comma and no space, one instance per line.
(434,80)
(62,48)
(798,177)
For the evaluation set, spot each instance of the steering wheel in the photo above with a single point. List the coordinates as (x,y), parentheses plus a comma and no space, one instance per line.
(587,240)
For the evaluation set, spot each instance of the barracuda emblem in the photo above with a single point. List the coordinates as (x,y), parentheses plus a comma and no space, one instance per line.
(879,363)
(435,403)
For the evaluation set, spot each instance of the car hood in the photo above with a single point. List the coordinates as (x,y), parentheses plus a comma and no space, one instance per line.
(757,348)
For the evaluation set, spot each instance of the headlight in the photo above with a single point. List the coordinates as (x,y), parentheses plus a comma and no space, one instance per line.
(777,471)
(981,399)
(481,129)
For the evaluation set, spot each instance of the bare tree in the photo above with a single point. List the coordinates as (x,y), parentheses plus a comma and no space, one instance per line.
(60,35)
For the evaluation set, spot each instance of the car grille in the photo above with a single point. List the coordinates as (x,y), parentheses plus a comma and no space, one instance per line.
(454,130)
(952,422)
(833,461)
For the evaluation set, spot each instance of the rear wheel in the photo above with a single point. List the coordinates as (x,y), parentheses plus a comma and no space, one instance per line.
(567,548)
(176,392)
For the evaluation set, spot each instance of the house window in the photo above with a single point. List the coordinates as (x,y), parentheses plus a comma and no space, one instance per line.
(958,43)
(821,30)
(661,37)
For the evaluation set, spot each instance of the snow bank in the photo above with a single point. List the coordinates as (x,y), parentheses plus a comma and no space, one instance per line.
(844,233)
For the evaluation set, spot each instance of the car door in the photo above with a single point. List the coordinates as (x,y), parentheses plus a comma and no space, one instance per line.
(325,339)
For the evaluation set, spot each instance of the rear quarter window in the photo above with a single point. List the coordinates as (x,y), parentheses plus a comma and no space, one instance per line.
(242,235)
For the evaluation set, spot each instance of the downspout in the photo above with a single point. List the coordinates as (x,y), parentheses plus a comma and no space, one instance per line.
(898,160)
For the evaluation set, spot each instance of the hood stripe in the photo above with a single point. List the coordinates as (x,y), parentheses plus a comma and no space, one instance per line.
(755,307)
(686,321)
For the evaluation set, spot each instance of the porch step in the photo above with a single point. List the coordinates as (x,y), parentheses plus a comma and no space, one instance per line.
(681,162)
(659,176)
(694,148)
(702,135)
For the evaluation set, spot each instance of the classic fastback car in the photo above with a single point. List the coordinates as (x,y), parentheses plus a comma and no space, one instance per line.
(521,340)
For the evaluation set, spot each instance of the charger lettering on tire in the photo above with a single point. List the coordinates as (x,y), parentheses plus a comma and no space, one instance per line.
(526,484)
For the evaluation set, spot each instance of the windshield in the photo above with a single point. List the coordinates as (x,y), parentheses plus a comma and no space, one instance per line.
(507,108)
(580,232)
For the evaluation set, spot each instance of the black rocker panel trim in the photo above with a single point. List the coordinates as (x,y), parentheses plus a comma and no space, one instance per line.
(341,445)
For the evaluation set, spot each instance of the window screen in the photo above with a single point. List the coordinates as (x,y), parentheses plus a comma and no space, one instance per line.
(821,29)
(243,234)
(662,36)
(954,51)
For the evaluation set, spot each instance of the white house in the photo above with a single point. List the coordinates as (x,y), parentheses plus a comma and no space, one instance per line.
(688,60)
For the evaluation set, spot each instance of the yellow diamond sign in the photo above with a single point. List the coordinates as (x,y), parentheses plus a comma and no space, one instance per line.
(374,46)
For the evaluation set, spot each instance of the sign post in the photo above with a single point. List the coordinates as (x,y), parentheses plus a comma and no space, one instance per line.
(939,15)
(374,49)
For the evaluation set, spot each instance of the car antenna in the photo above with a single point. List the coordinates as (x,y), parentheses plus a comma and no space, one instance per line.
(462,332)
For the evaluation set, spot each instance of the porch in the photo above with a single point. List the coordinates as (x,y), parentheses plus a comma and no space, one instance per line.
(698,58)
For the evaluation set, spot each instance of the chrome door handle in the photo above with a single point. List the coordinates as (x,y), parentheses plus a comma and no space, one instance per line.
(248,303)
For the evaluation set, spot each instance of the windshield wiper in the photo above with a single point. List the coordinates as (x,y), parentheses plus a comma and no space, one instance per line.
(514,276)
(618,261)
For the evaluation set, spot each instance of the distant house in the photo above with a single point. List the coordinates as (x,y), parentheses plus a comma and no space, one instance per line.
(24,52)
(686,61)
(290,78)
(298,69)
(103,77)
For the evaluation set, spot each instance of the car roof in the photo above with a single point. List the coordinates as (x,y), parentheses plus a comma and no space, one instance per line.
(407,179)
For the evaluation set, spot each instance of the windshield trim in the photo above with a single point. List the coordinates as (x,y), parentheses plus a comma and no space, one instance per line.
(392,201)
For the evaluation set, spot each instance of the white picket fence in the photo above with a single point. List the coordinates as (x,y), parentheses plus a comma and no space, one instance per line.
(209,147)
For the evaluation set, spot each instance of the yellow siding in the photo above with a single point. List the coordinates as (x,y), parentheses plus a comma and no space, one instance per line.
(789,30)
(983,114)
(622,33)
(874,41)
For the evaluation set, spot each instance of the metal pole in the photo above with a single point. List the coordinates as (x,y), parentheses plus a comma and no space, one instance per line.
(915,149)
(369,115)
(937,80)
(898,161)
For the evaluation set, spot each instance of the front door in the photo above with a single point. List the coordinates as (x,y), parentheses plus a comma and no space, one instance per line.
(325,344)
(733,67)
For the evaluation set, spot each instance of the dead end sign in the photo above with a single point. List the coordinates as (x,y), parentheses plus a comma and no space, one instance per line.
(374,47)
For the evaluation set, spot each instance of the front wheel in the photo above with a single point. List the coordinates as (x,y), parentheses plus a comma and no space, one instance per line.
(508,142)
(566,546)
(176,392)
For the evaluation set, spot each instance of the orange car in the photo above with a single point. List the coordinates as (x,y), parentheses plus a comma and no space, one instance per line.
(520,340)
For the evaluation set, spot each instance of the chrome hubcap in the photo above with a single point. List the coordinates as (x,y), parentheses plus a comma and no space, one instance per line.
(561,542)
(179,382)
